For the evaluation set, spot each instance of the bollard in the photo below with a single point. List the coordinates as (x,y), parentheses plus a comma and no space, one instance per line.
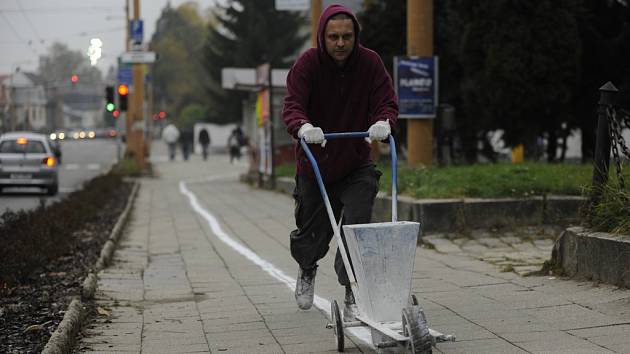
(602,143)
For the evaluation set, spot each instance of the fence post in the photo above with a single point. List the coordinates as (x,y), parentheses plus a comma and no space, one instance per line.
(602,143)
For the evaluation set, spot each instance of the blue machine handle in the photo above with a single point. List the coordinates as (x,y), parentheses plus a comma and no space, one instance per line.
(331,136)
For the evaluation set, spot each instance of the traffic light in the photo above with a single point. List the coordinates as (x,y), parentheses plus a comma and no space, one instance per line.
(123,94)
(110,104)
(74,79)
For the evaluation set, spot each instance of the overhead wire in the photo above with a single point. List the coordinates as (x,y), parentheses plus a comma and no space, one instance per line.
(28,20)
(17,35)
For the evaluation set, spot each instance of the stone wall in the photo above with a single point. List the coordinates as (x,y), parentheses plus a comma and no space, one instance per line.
(596,256)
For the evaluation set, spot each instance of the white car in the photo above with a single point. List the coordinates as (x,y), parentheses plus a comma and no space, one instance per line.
(27,160)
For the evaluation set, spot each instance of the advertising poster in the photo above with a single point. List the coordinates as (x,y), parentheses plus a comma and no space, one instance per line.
(416,83)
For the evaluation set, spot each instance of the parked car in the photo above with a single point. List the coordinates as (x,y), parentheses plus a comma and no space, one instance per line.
(28,160)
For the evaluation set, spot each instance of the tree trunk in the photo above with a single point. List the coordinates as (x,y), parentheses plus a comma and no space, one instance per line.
(588,140)
(469,147)
(552,145)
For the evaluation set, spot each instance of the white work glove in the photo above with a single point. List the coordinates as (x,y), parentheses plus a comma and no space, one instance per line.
(379,131)
(311,134)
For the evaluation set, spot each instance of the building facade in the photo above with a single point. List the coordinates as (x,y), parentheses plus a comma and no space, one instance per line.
(25,102)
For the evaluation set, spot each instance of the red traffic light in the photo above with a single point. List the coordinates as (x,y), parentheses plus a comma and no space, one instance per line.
(116,113)
(123,90)
(74,79)
(162,115)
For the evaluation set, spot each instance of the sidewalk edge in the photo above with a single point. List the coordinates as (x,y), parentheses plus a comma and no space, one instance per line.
(64,337)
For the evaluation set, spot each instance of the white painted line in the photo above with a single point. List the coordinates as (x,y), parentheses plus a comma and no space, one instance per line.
(71,166)
(94,166)
(362,333)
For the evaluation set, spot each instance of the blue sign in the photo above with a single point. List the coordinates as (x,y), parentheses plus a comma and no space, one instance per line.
(416,83)
(135,29)
(125,75)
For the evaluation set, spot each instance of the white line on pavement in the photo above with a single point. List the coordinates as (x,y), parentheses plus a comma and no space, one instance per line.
(72,166)
(362,333)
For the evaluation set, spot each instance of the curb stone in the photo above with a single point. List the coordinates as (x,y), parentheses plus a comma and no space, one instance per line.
(63,338)
(451,215)
(60,341)
(595,256)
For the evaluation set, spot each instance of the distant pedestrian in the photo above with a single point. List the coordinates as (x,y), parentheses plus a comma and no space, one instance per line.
(186,140)
(170,135)
(235,141)
(204,140)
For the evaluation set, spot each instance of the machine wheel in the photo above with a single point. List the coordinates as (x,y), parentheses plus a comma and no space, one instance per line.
(415,327)
(337,325)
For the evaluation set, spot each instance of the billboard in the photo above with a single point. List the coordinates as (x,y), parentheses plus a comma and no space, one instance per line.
(416,84)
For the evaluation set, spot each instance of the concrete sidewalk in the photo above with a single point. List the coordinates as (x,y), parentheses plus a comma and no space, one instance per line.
(205,266)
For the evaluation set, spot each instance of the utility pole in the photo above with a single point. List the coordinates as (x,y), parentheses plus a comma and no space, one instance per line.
(272,144)
(12,110)
(126,115)
(316,11)
(420,43)
(127,25)
(148,137)
(135,135)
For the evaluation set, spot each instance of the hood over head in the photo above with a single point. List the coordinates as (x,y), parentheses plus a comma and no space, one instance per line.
(329,12)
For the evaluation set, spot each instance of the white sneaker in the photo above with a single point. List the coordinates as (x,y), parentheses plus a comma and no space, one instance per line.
(305,288)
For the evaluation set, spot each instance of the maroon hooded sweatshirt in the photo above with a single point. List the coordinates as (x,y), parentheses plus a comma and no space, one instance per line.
(337,99)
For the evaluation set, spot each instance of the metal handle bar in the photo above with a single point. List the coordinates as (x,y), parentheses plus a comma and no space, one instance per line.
(332,136)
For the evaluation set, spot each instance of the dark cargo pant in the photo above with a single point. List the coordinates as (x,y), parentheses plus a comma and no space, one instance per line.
(355,194)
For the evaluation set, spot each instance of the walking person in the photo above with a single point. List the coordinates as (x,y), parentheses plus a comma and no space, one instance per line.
(339,86)
(204,140)
(186,139)
(170,135)
(235,141)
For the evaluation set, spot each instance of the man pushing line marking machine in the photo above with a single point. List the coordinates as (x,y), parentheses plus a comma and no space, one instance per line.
(342,86)
(382,257)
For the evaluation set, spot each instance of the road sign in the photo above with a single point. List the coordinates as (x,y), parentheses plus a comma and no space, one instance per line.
(135,29)
(125,75)
(138,57)
(293,5)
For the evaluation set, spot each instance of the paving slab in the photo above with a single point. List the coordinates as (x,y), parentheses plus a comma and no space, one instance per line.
(204,266)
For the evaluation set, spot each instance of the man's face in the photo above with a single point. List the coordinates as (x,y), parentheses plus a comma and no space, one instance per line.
(339,36)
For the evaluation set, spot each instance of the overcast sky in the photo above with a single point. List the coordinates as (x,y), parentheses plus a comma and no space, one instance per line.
(29,27)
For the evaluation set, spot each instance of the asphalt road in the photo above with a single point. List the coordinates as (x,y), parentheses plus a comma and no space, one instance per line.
(82,160)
